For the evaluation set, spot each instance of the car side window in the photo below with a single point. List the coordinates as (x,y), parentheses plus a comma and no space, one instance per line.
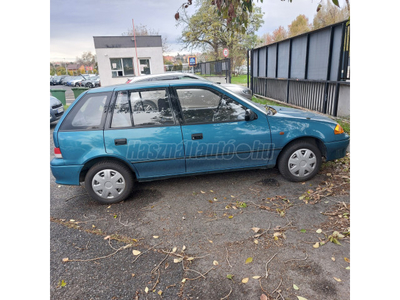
(205,106)
(142,108)
(87,114)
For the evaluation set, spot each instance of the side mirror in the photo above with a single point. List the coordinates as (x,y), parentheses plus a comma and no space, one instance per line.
(250,115)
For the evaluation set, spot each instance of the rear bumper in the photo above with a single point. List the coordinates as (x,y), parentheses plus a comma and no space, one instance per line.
(67,175)
(336,150)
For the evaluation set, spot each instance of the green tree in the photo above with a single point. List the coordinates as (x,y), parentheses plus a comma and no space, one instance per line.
(329,14)
(209,31)
(299,25)
(87,59)
(237,12)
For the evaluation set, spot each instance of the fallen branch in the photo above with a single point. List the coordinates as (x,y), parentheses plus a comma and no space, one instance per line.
(102,257)
(157,267)
(275,290)
(145,252)
(296,259)
(226,297)
(202,275)
(227,258)
(266,265)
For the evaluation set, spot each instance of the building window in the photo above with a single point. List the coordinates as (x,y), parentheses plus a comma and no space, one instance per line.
(144,65)
(121,67)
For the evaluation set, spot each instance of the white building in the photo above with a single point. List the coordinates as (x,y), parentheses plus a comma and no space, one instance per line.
(118,57)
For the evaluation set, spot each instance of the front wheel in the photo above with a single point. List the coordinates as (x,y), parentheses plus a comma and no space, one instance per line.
(109,182)
(300,161)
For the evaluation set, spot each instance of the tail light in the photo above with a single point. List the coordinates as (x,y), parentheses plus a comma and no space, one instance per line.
(57,153)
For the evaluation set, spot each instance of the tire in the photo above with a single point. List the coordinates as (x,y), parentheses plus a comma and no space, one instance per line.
(89,85)
(300,161)
(109,182)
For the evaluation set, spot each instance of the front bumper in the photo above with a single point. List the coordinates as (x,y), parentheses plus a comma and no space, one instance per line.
(337,149)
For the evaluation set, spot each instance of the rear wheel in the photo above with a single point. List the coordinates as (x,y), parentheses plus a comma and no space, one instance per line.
(300,161)
(109,182)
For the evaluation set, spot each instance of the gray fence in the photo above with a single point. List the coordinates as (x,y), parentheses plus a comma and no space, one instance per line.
(308,70)
(219,70)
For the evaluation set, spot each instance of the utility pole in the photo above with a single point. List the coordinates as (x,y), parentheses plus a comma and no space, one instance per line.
(134,37)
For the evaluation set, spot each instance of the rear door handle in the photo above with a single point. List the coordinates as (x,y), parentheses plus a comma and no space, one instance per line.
(197,136)
(120,142)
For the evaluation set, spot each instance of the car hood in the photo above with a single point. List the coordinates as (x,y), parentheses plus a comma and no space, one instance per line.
(54,101)
(233,86)
(286,112)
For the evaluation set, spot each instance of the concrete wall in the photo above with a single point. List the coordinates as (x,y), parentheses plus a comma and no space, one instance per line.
(344,101)
(154,54)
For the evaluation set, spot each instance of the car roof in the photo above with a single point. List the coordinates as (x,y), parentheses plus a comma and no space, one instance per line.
(153,84)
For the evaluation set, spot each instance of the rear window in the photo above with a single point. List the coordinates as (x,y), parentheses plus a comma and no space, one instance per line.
(88,113)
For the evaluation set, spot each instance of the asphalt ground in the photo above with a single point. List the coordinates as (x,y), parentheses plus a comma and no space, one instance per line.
(234,235)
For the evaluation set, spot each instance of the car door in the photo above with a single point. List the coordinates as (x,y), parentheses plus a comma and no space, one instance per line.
(216,135)
(144,131)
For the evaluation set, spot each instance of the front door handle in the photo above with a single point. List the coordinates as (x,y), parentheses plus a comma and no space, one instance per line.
(118,142)
(197,136)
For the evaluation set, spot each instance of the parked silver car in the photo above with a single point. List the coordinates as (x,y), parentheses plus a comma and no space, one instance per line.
(56,109)
(235,88)
(92,81)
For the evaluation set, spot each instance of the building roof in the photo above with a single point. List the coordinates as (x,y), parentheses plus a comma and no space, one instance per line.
(127,41)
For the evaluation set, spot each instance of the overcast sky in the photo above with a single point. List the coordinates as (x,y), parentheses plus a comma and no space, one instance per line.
(73,23)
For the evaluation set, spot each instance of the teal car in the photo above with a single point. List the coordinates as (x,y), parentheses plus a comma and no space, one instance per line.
(113,137)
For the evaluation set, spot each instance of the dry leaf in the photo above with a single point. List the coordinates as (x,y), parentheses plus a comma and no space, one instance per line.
(155,236)
(249,260)
(295,287)
(65,259)
(159,292)
(146,290)
(316,245)
(255,229)
(183,280)
(136,252)
(256,277)
(347,260)
(337,279)
(333,258)
(178,260)
(107,237)
(133,275)
(245,280)
(263,297)
(202,192)
(256,242)
(301,298)
(211,191)
(215,263)
(174,249)
(190,258)
(319,230)
(183,248)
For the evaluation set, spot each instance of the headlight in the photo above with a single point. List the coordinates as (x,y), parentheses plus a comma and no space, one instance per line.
(338,129)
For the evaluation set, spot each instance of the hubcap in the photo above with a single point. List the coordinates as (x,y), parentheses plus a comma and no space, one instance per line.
(108,183)
(302,162)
